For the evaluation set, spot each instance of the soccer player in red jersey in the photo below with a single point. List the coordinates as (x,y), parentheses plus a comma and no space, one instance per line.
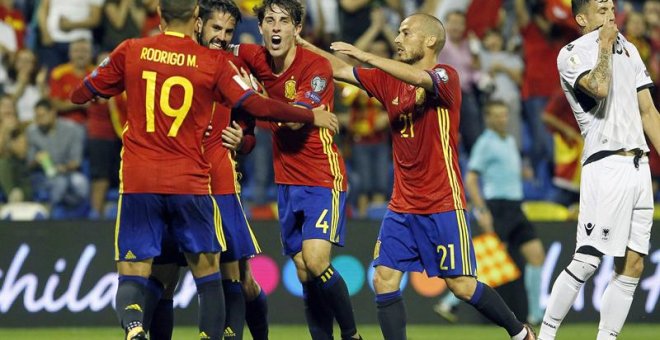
(164,175)
(309,171)
(425,227)
(244,299)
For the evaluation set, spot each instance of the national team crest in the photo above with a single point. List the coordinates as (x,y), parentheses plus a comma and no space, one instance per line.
(318,84)
(290,89)
(420,96)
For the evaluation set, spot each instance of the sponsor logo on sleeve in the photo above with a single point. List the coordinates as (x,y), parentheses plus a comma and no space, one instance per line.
(441,74)
(574,60)
(318,84)
(313,96)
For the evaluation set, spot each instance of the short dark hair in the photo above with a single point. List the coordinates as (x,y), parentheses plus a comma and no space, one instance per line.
(45,103)
(577,6)
(292,7)
(177,10)
(207,7)
(492,103)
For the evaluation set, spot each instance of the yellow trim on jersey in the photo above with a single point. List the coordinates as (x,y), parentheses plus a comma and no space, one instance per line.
(333,158)
(121,166)
(444,125)
(117,227)
(257,248)
(176,34)
(217,221)
(335,215)
(237,185)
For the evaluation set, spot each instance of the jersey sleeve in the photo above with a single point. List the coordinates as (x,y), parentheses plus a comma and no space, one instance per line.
(316,86)
(573,62)
(107,79)
(248,54)
(446,83)
(372,80)
(642,77)
(478,156)
(230,86)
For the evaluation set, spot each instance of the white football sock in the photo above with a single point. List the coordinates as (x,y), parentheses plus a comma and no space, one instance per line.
(616,303)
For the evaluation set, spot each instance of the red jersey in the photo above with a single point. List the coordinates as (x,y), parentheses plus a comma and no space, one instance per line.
(170,99)
(63,80)
(307,156)
(427,178)
(99,122)
(540,53)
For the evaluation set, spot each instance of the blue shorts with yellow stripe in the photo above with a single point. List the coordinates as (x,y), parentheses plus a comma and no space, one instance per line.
(144,219)
(308,212)
(439,243)
(241,242)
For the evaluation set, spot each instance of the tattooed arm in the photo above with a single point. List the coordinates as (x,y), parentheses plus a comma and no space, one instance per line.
(596,83)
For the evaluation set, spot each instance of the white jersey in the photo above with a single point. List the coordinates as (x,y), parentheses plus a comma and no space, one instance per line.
(613,123)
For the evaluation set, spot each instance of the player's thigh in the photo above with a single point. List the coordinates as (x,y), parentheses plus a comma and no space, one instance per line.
(240,240)
(445,244)
(396,247)
(290,218)
(607,198)
(196,223)
(642,216)
(141,222)
(324,214)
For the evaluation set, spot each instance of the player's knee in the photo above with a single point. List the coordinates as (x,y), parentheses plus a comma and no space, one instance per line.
(315,263)
(384,283)
(583,266)
(462,286)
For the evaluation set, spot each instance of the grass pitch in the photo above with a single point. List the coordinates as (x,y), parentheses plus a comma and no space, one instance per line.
(369,332)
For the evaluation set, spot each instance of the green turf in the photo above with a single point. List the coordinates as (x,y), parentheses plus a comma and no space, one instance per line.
(369,332)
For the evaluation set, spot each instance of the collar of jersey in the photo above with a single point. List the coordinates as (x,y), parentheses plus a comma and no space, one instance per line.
(176,34)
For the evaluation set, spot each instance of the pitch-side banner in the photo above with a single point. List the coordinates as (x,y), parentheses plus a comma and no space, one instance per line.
(62,274)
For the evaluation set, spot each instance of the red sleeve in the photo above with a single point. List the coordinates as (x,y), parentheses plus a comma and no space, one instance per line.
(249,54)
(107,79)
(446,83)
(372,80)
(317,87)
(239,95)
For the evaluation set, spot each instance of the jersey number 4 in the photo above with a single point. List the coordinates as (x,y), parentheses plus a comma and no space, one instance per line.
(178,114)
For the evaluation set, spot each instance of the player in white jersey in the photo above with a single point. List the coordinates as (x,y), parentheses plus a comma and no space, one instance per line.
(607,85)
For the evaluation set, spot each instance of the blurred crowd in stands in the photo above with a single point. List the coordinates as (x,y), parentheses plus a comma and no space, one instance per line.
(66,156)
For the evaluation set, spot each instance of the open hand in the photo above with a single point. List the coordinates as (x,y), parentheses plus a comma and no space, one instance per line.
(325,119)
(232,136)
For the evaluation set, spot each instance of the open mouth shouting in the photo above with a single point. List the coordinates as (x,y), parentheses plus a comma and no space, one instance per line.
(276,41)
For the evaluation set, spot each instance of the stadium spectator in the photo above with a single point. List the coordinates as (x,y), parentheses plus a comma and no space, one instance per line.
(65,77)
(354,18)
(541,43)
(123,20)
(14,18)
(8,47)
(560,121)
(55,153)
(14,175)
(103,149)
(506,69)
(63,22)
(26,83)
(459,54)
(606,84)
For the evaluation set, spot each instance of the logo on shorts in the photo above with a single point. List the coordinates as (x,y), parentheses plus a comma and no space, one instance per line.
(377,249)
(589,228)
(606,234)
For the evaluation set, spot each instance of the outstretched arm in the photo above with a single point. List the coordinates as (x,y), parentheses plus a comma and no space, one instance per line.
(341,70)
(397,69)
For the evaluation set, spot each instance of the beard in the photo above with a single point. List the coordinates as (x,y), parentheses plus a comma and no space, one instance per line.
(413,57)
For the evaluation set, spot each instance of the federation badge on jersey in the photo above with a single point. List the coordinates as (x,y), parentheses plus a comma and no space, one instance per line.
(318,84)
(290,89)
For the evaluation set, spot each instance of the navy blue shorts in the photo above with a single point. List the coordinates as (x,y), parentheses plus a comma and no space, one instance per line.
(241,242)
(143,219)
(310,213)
(439,243)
